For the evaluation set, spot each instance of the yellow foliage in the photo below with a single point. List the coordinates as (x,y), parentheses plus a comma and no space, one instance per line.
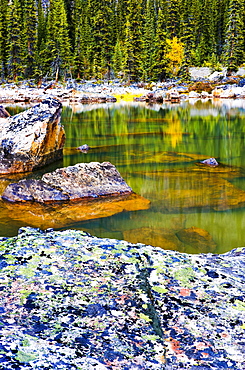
(174,55)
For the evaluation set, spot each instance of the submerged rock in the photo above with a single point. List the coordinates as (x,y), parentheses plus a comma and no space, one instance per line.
(83,180)
(61,214)
(72,301)
(32,139)
(198,238)
(192,185)
(158,237)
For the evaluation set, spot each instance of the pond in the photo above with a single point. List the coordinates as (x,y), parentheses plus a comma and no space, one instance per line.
(158,150)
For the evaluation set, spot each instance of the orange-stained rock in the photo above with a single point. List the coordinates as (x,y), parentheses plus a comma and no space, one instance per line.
(198,238)
(32,139)
(65,214)
(158,237)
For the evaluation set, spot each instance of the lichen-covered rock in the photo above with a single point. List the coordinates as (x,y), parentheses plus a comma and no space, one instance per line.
(33,190)
(196,237)
(32,139)
(72,301)
(84,180)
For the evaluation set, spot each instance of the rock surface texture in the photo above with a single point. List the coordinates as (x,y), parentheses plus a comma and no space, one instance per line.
(72,301)
(83,180)
(32,138)
(3,112)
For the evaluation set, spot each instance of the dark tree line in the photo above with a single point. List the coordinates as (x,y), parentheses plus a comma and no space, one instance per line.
(131,39)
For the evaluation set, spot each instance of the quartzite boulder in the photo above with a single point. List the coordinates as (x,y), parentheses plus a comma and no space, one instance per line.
(84,180)
(32,138)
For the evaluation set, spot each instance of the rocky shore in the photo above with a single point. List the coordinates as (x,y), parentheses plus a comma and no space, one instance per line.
(73,301)
(204,84)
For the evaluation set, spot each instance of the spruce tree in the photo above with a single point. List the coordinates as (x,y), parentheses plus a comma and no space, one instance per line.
(57,54)
(84,41)
(148,41)
(102,28)
(159,55)
(30,36)
(220,21)
(117,59)
(120,16)
(3,38)
(206,44)
(188,38)
(173,20)
(15,26)
(133,40)
(234,41)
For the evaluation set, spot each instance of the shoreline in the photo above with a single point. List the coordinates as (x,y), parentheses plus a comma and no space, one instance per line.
(89,92)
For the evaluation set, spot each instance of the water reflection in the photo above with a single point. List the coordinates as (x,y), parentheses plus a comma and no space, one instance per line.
(157,150)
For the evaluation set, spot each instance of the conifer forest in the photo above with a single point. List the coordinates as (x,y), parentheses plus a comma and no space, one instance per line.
(135,40)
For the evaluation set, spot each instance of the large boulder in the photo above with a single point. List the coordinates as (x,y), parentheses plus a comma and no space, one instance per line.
(84,180)
(32,139)
(72,301)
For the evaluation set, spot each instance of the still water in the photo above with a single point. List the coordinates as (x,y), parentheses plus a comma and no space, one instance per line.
(157,149)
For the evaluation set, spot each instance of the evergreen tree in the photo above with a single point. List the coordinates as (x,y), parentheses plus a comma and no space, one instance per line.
(220,22)
(3,38)
(30,36)
(71,19)
(120,16)
(41,61)
(206,44)
(234,41)
(148,41)
(173,20)
(15,62)
(117,59)
(103,26)
(133,40)
(57,54)
(84,41)
(159,55)
(188,38)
